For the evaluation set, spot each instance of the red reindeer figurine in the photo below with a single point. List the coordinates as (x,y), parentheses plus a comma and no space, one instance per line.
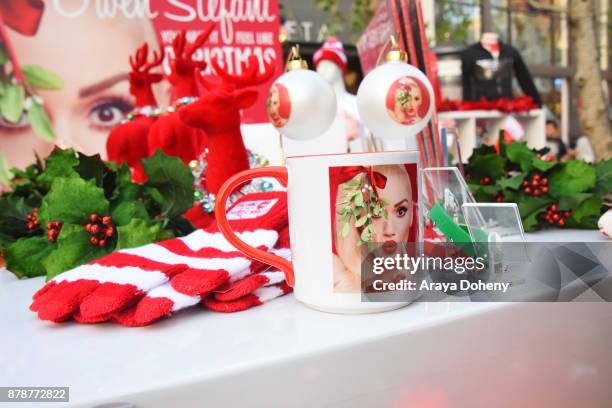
(127,142)
(169,133)
(217,112)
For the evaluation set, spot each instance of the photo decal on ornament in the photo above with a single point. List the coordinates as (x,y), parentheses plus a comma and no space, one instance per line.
(278,105)
(370,206)
(408,100)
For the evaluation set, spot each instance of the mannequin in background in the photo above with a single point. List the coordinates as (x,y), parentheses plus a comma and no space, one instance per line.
(330,62)
(488,67)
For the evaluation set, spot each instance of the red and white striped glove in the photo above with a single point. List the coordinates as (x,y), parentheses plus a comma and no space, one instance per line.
(258,286)
(194,265)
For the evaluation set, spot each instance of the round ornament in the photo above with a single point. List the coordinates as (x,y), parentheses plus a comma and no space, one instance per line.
(605,224)
(300,103)
(395,99)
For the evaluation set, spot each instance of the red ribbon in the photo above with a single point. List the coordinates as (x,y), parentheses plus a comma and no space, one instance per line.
(377,180)
(22,16)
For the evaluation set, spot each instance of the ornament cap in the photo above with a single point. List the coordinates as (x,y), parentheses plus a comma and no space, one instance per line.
(396,54)
(294,60)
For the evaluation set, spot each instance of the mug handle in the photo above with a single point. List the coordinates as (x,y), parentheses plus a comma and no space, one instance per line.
(280,174)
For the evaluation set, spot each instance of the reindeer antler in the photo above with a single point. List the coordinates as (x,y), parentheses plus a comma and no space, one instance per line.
(250,75)
(139,61)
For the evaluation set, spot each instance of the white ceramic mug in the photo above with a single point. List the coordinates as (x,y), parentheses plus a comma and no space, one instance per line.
(324,211)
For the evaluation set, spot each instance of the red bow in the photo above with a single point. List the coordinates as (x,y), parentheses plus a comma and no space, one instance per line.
(377,180)
(22,16)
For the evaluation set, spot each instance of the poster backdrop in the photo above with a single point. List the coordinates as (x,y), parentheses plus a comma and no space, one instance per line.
(243,28)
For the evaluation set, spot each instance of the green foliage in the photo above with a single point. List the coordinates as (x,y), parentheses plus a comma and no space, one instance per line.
(11,102)
(69,187)
(39,121)
(40,78)
(574,185)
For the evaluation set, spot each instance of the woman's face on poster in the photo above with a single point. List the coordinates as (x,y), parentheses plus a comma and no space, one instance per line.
(398,192)
(94,67)
(409,99)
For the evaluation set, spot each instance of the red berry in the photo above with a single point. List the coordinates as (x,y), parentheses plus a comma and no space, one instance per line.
(536,177)
(545,189)
(553,207)
(95,229)
(107,220)
(94,218)
(49,225)
(102,242)
(555,217)
(561,222)
(525,183)
(567,214)
(93,240)
(550,158)
(544,180)
(537,192)
(527,190)
(551,222)
(109,232)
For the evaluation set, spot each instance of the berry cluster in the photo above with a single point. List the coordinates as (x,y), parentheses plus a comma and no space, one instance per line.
(485,181)
(53,230)
(537,186)
(100,229)
(548,157)
(499,197)
(32,219)
(553,216)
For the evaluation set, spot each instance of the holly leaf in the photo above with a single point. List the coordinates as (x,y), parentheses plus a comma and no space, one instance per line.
(41,78)
(521,154)
(39,121)
(528,205)
(603,183)
(532,221)
(543,165)
(13,212)
(487,165)
(72,200)
(71,250)
(24,257)
(575,176)
(588,212)
(137,233)
(126,211)
(573,201)
(172,179)
(11,103)
(513,183)
(60,163)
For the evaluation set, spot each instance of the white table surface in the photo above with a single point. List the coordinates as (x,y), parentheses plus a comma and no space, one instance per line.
(284,352)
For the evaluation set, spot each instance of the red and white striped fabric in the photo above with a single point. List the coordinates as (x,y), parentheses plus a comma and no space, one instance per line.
(192,266)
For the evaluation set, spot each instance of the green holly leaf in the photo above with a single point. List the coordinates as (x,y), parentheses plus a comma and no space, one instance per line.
(72,200)
(588,212)
(11,103)
(573,201)
(24,257)
(126,211)
(487,165)
(528,205)
(137,233)
(575,176)
(13,212)
(603,184)
(60,163)
(71,250)
(513,183)
(543,165)
(172,179)
(532,221)
(39,121)
(521,154)
(41,78)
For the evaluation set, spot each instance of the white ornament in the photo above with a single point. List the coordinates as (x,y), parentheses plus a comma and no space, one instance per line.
(605,224)
(395,100)
(301,104)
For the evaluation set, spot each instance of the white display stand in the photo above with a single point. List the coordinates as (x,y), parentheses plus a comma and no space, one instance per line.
(534,123)
(283,354)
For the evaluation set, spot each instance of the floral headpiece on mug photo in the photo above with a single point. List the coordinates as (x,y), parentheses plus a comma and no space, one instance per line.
(362,202)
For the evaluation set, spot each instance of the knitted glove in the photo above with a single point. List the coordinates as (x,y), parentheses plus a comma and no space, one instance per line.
(100,289)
